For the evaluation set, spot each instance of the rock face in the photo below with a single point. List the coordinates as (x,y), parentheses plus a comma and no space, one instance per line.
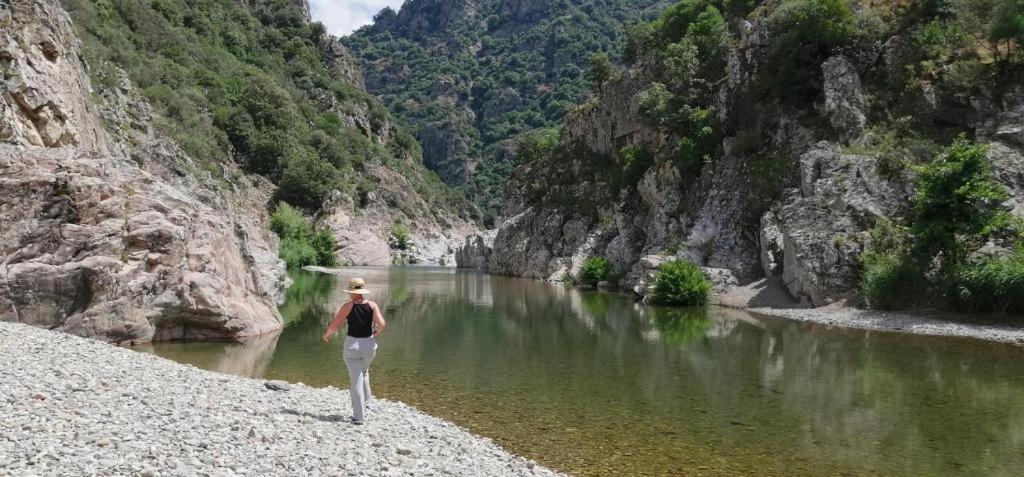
(789,193)
(844,101)
(107,234)
(364,232)
(476,251)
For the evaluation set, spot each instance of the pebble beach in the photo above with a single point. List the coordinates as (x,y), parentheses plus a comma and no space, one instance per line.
(74,406)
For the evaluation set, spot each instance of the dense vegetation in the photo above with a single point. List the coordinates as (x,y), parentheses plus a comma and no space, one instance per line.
(301,245)
(246,81)
(680,283)
(514,70)
(954,212)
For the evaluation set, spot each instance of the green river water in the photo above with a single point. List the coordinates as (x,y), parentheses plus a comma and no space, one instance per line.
(593,383)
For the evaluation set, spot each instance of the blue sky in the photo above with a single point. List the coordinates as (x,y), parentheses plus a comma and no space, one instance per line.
(342,17)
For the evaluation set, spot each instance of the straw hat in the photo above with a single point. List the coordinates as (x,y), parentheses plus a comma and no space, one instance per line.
(357,286)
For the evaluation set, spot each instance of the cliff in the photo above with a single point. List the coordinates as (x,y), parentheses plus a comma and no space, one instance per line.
(109,230)
(795,172)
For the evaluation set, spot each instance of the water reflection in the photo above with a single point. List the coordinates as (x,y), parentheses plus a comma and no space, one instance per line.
(594,383)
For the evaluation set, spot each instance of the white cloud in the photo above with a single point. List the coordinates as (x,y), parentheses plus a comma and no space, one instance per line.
(342,17)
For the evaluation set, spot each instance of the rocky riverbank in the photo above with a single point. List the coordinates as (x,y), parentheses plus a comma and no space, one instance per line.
(75,406)
(769,297)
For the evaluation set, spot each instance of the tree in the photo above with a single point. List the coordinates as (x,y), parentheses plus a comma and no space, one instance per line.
(956,201)
(601,68)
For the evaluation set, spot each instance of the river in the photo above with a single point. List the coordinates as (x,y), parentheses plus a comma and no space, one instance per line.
(592,383)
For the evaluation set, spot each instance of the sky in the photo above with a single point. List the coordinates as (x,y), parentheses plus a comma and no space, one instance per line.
(342,17)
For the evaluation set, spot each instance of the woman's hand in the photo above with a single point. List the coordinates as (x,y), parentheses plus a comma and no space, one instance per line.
(327,337)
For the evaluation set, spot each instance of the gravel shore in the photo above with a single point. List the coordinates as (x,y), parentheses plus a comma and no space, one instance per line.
(73,406)
(934,324)
(768,297)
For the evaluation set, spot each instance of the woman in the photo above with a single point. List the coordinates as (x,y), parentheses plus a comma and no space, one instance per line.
(365,322)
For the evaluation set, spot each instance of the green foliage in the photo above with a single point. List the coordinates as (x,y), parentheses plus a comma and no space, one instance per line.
(239,81)
(803,34)
(402,236)
(594,270)
(601,68)
(536,145)
(636,160)
(992,285)
(680,283)
(287,221)
(892,278)
(300,245)
(954,210)
(955,203)
(323,242)
(538,61)
(688,43)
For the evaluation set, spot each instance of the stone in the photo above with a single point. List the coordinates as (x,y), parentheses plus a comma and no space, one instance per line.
(476,251)
(403,451)
(844,99)
(277,385)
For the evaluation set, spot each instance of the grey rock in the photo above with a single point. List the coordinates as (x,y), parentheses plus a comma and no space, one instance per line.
(476,251)
(107,243)
(844,100)
(277,385)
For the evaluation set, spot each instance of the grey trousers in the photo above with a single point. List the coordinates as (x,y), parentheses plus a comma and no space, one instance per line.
(359,353)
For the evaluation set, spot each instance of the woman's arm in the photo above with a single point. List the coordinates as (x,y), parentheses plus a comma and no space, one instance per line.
(339,319)
(378,320)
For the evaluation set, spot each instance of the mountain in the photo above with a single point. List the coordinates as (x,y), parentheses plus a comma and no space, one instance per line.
(143,143)
(811,142)
(469,76)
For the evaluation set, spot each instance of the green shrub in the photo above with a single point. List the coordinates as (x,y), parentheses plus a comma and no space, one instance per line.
(288,222)
(680,283)
(803,34)
(956,203)
(594,270)
(893,281)
(635,162)
(601,68)
(402,236)
(992,285)
(323,243)
(297,253)
(300,244)
(535,145)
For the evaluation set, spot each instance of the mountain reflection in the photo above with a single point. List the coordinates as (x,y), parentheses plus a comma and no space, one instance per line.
(595,383)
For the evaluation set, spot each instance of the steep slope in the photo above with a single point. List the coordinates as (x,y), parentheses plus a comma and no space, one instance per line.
(764,139)
(256,83)
(137,166)
(469,75)
(107,231)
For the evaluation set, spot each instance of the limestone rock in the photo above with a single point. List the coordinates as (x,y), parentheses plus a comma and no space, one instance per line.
(844,100)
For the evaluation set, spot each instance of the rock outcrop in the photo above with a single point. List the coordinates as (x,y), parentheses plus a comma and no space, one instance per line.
(476,251)
(113,235)
(789,193)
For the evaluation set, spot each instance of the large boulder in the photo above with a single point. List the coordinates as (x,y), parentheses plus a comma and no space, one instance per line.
(822,225)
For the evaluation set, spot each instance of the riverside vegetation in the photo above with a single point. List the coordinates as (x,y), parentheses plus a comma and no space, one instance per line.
(713,142)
